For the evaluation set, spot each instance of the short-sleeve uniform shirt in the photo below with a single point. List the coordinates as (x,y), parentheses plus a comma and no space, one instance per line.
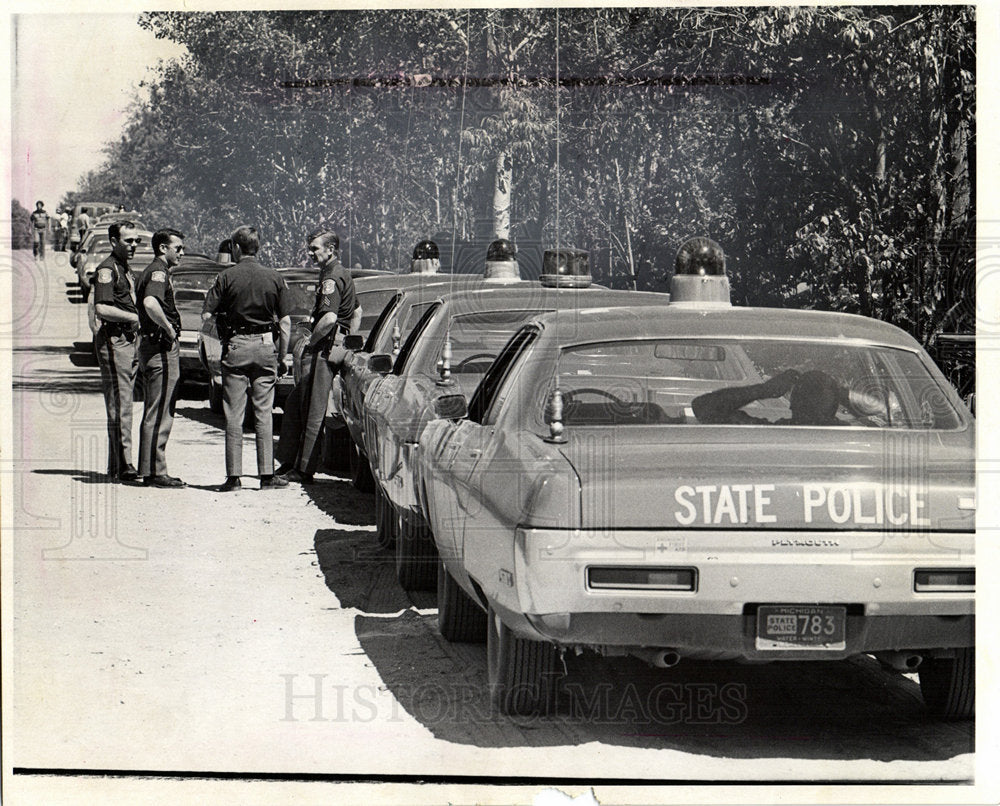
(335,294)
(250,295)
(155,282)
(40,219)
(113,285)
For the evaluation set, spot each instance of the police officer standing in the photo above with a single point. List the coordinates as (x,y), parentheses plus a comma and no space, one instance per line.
(335,314)
(39,229)
(159,357)
(114,341)
(254,300)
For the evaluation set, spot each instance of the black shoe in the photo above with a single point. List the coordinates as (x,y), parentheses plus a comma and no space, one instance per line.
(231,484)
(299,476)
(273,482)
(284,469)
(128,476)
(163,481)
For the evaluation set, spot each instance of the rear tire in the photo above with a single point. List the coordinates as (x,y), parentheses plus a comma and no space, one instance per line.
(522,673)
(361,471)
(949,684)
(416,554)
(385,522)
(460,619)
(214,396)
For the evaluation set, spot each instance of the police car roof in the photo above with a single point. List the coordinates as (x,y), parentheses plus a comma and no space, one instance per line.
(197,263)
(751,323)
(531,291)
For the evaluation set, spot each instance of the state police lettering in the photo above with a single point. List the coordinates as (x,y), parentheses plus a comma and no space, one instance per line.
(765,504)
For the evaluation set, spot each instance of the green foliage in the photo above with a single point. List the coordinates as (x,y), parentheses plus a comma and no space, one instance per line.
(20,226)
(829,149)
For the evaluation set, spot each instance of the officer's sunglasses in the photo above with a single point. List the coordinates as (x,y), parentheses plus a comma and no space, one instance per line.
(136,241)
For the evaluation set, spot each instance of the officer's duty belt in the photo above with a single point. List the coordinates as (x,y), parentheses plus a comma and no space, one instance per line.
(252,331)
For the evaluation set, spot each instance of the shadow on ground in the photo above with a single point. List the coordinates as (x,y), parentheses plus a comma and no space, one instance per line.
(832,710)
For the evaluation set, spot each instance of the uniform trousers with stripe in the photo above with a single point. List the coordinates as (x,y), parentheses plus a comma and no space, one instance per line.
(117,360)
(315,396)
(249,361)
(161,372)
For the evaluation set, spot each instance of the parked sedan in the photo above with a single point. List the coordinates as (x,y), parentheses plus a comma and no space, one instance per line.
(191,279)
(373,358)
(665,482)
(447,351)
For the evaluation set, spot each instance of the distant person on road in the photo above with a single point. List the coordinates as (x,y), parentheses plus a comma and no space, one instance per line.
(254,301)
(336,313)
(114,342)
(82,225)
(62,230)
(159,357)
(39,230)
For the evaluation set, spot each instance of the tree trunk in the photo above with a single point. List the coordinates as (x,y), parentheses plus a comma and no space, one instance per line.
(501,194)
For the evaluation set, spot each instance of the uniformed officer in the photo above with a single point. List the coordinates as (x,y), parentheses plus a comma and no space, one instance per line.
(159,357)
(335,314)
(255,301)
(117,321)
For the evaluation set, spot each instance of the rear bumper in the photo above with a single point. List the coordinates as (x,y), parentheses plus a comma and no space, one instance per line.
(870,575)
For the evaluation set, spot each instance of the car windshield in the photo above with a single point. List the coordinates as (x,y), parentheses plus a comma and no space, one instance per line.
(476,339)
(303,296)
(642,382)
(192,285)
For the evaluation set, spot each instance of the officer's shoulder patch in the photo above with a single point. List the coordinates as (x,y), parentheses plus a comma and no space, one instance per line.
(158,277)
(329,286)
(105,275)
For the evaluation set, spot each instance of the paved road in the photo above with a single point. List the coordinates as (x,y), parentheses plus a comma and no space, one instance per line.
(263,632)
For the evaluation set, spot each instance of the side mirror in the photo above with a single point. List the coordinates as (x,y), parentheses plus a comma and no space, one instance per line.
(354,342)
(380,363)
(970,401)
(451,407)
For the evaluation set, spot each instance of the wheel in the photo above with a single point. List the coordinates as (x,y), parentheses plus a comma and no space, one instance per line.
(478,358)
(361,471)
(459,617)
(385,523)
(416,554)
(522,673)
(949,684)
(214,395)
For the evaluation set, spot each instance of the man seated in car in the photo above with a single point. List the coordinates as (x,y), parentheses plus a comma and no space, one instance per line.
(814,400)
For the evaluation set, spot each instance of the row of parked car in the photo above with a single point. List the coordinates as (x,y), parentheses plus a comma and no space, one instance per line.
(541,456)
(537,459)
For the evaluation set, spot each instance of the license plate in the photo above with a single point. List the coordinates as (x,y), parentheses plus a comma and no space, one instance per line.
(801,627)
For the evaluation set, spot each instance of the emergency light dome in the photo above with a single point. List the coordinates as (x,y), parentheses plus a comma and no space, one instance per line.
(426,258)
(501,262)
(565,268)
(700,277)
(426,250)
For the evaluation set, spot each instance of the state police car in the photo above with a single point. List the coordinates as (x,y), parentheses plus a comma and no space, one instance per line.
(701,481)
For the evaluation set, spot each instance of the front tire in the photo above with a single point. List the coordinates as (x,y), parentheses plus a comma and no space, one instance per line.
(460,619)
(385,522)
(949,684)
(361,471)
(522,673)
(416,554)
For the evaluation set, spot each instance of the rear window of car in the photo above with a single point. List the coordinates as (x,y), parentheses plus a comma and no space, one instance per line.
(669,381)
(476,339)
